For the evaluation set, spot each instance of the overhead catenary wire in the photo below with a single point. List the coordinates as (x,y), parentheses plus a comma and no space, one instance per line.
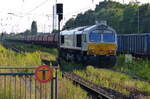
(38,6)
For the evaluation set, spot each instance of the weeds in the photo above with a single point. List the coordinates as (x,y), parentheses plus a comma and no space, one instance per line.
(113,80)
(33,58)
(137,67)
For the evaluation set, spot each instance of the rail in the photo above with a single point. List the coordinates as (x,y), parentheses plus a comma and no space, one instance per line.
(74,77)
(13,48)
(102,92)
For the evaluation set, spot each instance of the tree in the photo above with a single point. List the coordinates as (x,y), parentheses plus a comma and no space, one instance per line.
(130,19)
(113,17)
(27,32)
(34,27)
(124,18)
(55,31)
(144,18)
(69,24)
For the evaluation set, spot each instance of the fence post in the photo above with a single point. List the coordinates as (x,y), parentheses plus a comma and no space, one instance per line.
(56,88)
(52,88)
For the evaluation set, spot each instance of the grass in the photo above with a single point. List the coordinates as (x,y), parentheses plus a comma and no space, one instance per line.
(33,58)
(113,80)
(45,53)
(70,91)
(10,58)
(134,67)
(33,48)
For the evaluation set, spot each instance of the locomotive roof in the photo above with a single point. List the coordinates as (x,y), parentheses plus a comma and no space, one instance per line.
(80,30)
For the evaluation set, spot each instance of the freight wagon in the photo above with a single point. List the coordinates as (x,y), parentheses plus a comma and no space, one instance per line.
(50,40)
(135,44)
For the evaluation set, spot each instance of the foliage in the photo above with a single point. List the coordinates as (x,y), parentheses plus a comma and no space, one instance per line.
(34,27)
(122,17)
(55,31)
(137,67)
(27,32)
(85,19)
(113,16)
(22,34)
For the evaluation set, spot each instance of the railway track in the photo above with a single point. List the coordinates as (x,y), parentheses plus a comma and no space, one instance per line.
(102,93)
(13,48)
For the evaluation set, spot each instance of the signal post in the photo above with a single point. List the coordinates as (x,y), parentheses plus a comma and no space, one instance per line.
(59,11)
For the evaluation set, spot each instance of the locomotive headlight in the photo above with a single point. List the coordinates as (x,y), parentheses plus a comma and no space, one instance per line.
(91,51)
(111,51)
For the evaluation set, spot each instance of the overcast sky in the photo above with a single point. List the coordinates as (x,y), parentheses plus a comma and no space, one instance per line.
(17,15)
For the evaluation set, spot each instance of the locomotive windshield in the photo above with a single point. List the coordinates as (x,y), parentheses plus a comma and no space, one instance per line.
(102,36)
(108,36)
(95,36)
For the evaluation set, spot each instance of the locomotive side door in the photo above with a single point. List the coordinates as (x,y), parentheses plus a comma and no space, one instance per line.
(79,40)
(84,41)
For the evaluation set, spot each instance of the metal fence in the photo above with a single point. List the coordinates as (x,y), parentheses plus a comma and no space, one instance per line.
(22,85)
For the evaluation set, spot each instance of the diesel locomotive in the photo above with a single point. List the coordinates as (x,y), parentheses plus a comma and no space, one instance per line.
(90,44)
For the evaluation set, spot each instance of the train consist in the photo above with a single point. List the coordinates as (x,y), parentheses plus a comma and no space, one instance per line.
(50,40)
(90,44)
(135,44)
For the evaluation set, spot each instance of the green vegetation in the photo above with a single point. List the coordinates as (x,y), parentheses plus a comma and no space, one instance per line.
(72,66)
(10,58)
(122,17)
(135,67)
(33,58)
(45,53)
(68,91)
(113,80)
(33,28)
(120,82)
(33,48)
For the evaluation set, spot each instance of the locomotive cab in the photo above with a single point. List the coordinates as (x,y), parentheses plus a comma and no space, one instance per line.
(102,41)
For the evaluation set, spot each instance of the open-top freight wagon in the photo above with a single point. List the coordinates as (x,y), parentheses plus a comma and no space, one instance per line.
(135,44)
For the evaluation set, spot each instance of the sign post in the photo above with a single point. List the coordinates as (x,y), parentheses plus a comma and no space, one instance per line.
(43,74)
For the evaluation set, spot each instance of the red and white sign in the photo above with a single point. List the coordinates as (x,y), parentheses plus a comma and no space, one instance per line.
(43,73)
